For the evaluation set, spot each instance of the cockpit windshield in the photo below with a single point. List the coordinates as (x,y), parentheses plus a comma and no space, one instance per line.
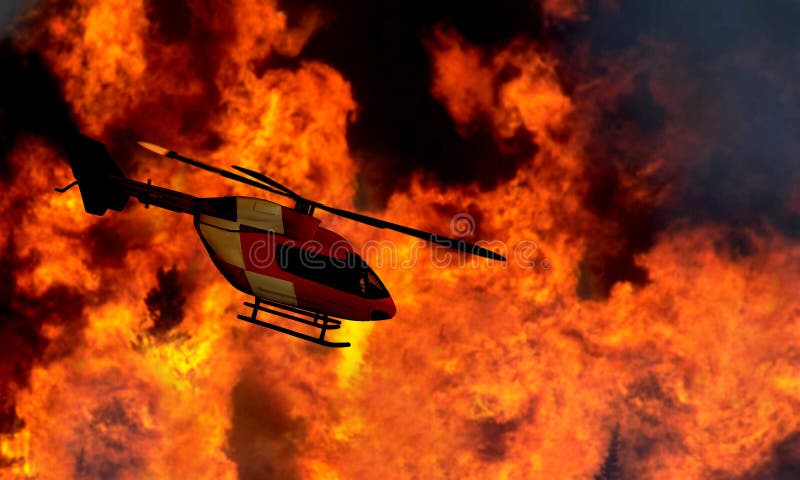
(375,288)
(369,283)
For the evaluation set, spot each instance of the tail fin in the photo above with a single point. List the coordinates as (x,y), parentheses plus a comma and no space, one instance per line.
(95,173)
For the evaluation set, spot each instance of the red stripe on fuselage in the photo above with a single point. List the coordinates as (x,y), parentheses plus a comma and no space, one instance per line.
(259,255)
(233,274)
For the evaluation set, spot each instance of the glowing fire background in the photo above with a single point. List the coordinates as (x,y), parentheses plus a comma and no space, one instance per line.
(650,149)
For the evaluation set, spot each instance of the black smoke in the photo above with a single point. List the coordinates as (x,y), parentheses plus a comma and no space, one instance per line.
(492,438)
(22,342)
(784,463)
(165,302)
(400,127)
(730,75)
(735,63)
(611,468)
(31,102)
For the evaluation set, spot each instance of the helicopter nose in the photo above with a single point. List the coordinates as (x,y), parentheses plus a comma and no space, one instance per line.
(383,310)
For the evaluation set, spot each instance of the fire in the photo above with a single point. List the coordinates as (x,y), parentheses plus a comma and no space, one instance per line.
(488,371)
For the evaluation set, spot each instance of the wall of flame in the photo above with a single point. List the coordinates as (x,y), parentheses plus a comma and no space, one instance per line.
(490,372)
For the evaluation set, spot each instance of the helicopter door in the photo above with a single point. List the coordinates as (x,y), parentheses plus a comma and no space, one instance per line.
(271,288)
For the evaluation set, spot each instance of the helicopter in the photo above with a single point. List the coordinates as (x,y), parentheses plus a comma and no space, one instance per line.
(292,266)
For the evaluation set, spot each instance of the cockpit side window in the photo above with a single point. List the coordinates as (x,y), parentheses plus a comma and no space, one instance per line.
(319,268)
(351,275)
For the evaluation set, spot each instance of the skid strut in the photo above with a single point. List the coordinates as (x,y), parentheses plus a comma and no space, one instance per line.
(312,319)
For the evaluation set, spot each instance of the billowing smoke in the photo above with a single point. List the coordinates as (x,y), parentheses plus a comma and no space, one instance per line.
(707,92)
(30,103)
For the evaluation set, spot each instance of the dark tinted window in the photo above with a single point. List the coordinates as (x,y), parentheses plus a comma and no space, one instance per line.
(351,275)
(375,288)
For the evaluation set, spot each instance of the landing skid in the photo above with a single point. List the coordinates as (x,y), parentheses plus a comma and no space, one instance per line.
(312,319)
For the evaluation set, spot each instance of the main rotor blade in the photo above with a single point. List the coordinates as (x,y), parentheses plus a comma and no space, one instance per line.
(265,183)
(459,245)
(263,178)
(195,163)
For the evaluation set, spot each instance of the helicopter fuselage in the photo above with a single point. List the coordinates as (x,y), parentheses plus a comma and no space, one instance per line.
(281,255)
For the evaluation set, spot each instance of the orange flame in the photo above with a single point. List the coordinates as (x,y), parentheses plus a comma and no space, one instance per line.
(490,372)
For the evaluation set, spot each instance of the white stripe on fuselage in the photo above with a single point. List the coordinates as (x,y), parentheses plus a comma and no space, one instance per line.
(271,288)
(224,238)
(261,214)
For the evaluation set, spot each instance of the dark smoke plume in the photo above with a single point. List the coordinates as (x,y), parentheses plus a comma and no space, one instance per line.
(22,343)
(30,103)
(165,302)
(379,48)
